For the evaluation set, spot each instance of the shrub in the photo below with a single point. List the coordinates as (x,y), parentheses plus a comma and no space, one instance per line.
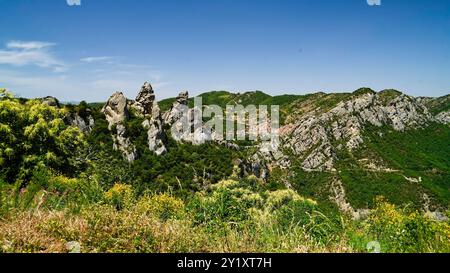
(61,183)
(407,231)
(279,198)
(226,204)
(295,213)
(34,134)
(163,206)
(120,196)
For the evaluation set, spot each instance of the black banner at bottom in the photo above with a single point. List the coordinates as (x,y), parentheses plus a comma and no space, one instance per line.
(218,262)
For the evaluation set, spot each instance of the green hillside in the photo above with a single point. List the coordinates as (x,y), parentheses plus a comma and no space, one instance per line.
(59,185)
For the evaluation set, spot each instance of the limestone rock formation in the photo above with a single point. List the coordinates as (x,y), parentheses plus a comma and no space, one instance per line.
(144,100)
(183,98)
(178,109)
(186,123)
(313,136)
(84,124)
(123,143)
(146,106)
(254,166)
(443,117)
(116,112)
(155,132)
(439,107)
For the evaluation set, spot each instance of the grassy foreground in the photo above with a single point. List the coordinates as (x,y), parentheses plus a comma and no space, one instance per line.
(55,212)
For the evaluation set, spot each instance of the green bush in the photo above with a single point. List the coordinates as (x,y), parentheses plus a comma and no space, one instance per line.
(226,204)
(403,230)
(120,196)
(34,134)
(163,206)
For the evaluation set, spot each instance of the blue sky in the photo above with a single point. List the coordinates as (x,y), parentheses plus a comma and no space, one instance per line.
(285,46)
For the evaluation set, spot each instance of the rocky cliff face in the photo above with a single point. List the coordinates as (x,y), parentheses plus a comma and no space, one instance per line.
(315,136)
(443,117)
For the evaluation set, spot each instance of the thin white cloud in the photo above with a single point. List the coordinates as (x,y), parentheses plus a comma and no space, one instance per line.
(40,85)
(18,53)
(98,59)
(21,58)
(92,78)
(75,87)
(32,45)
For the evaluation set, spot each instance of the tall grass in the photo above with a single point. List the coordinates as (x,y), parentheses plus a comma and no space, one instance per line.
(229,217)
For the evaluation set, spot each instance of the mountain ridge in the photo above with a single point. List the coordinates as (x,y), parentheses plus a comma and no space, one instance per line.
(332,134)
(320,131)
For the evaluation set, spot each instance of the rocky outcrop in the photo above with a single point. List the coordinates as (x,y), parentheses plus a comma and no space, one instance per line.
(178,109)
(145,106)
(186,123)
(254,166)
(123,143)
(51,101)
(316,136)
(116,113)
(84,124)
(145,100)
(116,110)
(439,107)
(443,117)
(155,133)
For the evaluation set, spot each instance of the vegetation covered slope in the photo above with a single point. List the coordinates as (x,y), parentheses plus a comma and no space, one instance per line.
(413,166)
(224,98)
(59,185)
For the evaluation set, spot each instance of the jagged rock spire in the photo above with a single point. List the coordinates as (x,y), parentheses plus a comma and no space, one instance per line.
(183,98)
(115,109)
(144,100)
(116,112)
(178,108)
